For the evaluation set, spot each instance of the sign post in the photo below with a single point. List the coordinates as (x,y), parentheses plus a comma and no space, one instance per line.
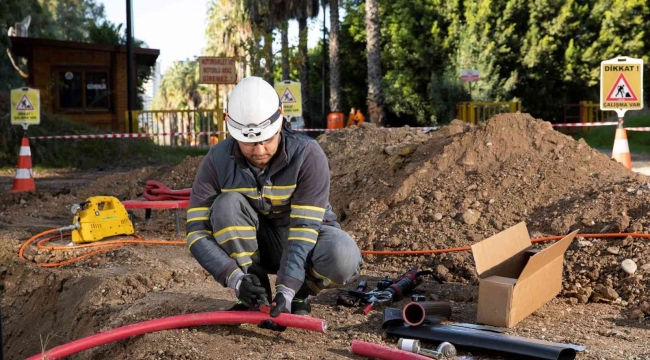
(218,70)
(621,85)
(25,107)
(469,76)
(621,89)
(290,97)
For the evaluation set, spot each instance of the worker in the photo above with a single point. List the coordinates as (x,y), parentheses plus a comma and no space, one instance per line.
(355,118)
(260,205)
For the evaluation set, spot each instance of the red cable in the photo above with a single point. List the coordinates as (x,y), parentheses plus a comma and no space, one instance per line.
(180,321)
(383,352)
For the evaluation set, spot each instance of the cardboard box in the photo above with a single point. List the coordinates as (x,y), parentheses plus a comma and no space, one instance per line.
(514,279)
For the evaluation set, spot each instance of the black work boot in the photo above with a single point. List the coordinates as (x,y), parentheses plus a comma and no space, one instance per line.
(300,307)
(300,304)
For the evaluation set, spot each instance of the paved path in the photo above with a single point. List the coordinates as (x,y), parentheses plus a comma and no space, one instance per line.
(640,161)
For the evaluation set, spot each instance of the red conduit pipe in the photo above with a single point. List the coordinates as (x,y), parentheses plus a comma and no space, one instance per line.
(383,352)
(181,321)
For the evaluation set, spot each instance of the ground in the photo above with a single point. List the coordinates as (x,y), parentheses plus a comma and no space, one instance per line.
(437,190)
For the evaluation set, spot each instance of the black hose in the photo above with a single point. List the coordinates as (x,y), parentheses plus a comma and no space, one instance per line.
(466,338)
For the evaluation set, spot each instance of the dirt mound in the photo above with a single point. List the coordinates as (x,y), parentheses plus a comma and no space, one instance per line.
(404,190)
(595,272)
(179,176)
(394,189)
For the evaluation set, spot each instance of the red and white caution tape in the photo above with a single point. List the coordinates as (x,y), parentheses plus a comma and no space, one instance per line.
(145,135)
(321,130)
(638,129)
(124,136)
(587,124)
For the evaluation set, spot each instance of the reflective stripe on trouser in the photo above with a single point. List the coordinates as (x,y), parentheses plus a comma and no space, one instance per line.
(334,260)
(234,223)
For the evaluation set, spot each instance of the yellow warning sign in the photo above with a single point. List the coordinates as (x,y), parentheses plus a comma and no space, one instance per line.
(25,106)
(289,93)
(621,84)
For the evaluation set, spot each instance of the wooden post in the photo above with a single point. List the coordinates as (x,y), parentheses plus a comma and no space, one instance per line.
(220,119)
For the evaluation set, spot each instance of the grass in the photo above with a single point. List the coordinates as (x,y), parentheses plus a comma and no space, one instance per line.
(603,137)
(84,153)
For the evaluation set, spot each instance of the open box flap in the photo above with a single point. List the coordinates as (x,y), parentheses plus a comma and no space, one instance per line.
(547,255)
(500,247)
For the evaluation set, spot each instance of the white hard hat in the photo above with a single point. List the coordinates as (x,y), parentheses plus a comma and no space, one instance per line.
(254,111)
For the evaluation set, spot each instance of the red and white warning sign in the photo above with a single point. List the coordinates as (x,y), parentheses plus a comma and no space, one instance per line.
(287,97)
(621,84)
(622,91)
(24,104)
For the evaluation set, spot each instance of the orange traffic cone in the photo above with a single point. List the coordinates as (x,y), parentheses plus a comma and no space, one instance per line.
(24,179)
(621,152)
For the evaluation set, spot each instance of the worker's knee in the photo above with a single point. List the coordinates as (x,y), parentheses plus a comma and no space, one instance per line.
(336,256)
(231,208)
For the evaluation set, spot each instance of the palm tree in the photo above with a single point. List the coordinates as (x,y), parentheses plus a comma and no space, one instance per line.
(283,11)
(335,80)
(375,92)
(229,30)
(262,17)
(306,9)
(284,31)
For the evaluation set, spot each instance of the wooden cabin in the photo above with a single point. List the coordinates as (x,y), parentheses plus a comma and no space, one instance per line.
(86,82)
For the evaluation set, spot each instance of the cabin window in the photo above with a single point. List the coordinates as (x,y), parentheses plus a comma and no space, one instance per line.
(82,90)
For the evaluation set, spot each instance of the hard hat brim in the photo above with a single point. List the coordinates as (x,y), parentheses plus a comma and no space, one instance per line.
(265,134)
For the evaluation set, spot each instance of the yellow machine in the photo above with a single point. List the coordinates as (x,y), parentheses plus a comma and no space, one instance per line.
(99,217)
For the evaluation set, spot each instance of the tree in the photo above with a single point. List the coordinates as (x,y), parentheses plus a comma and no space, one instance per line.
(50,19)
(375,92)
(179,88)
(286,69)
(306,9)
(335,77)
(283,11)
(230,33)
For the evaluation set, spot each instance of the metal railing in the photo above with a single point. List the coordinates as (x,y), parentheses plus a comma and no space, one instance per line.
(200,128)
(474,112)
(585,112)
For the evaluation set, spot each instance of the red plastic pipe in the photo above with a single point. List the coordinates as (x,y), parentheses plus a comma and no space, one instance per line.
(383,352)
(180,321)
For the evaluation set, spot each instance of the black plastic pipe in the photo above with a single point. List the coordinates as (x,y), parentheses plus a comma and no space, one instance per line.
(414,313)
(463,337)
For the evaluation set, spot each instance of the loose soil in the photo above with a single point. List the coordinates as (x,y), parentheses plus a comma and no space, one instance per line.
(394,189)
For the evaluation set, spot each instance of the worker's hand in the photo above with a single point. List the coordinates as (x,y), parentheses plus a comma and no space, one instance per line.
(251,290)
(279,305)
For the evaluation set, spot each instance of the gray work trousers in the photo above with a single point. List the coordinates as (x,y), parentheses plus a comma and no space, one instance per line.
(333,261)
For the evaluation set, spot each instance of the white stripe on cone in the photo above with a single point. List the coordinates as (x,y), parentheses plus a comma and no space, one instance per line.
(23,174)
(24,151)
(621,146)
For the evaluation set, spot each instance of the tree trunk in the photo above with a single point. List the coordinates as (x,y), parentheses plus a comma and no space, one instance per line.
(285,50)
(335,77)
(375,92)
(304,70)
(254,52)
(268,54)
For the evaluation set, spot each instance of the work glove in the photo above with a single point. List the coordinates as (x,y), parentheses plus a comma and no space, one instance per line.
(250,290)
(278,306)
